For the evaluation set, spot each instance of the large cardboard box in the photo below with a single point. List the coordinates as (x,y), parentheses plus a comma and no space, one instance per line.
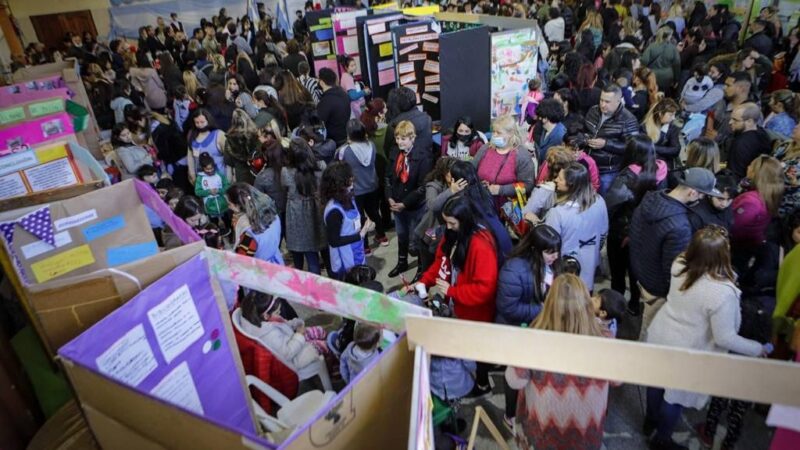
(104,253)
(180,324)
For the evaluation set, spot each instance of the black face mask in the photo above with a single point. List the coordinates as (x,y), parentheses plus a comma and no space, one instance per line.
(464,138)
(200,130)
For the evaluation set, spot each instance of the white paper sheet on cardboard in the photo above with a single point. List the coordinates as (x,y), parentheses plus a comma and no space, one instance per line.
(12,185)
(130,359)
(176,323)
(37,248)
(74,221)
(55,174)
(179,389)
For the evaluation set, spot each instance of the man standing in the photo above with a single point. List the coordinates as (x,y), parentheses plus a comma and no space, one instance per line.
(333,107)
(749,140)
(238,41)
(607,127)
(299,27)
(660,230)
(737,91)
(174,23)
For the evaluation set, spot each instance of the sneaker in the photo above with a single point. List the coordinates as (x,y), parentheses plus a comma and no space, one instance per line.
(382,241)
(658,443)
(704,438)
(509,423)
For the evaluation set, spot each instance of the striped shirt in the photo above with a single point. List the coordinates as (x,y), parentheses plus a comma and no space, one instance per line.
(312,86)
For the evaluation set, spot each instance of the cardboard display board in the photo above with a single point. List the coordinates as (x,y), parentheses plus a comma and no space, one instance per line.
(52,86)
(346,32)
(66,257)
(758,380)
(377,59)
(171,341)
(514,60)
(416,56)
(465,92)
(323,49)
(47,168)
(31,110)
(168,331)
(68,70)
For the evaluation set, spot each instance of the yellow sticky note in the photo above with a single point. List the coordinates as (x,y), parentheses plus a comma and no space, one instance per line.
(52,153)
(385,49)
(62,263)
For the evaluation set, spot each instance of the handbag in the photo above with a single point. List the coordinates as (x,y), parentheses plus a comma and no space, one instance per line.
(511,211)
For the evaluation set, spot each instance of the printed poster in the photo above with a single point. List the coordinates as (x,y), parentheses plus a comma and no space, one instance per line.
(513,64)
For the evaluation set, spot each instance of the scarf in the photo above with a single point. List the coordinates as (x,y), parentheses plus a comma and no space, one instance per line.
(401,167)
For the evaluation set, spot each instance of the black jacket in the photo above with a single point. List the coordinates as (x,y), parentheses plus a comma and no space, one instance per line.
(334,110)
(615,131)
(668,145)
(422,125)
(412,192)
(659,232)
(745,147)
(761,43)
(705,214)
(621,201)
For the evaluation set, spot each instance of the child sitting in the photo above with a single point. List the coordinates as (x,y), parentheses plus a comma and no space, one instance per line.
(609,307)
(289,339)
(360,352)
(210,186)
(147,173)
(531,101)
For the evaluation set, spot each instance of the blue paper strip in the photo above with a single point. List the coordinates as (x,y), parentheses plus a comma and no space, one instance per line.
(129,253)
(324,34)
(103,228)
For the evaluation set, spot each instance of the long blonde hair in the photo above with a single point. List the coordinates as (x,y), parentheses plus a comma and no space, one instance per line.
(508,126)
(652,121)
(190,81)
(242,124)
(568,308)
(593,20)
(703,152)
(766,173)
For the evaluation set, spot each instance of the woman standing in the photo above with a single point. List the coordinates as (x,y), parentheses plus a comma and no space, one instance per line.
(503,163)
(354,89)
(343,228)
(641,173)
(204,137)
(258,228)
(788,153)
(242,139)
(304,234)
(146,79)
(785,106)
(294,98)
(701,313)
(268,180)
(659,125)
(465,140)
(360,154)
(464,271)
(583,401)
(663,58)
(580,218)
(754,209)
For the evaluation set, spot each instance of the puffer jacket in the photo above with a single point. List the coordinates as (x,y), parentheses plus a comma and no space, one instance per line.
(518,300)
(615,131)
(659,232)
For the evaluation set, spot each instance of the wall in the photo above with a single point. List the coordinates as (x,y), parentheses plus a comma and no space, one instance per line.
(23,9)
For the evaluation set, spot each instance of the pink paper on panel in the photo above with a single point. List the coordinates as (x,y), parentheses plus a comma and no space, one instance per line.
(7,100)
(325,63)
(386,77)
(27,134)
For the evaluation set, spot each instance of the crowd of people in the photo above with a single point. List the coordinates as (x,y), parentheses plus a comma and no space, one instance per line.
(659,136)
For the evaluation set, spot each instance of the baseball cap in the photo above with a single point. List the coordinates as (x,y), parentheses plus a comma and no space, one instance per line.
(701,180)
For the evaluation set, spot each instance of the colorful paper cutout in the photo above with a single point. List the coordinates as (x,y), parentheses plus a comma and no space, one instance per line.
(104,228)
(62,263)
(117,256)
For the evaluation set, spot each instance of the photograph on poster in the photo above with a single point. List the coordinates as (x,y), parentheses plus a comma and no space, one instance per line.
(513,62)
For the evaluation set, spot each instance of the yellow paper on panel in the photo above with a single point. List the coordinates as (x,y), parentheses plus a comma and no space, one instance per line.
(51,153)
(385,49)
(65,262)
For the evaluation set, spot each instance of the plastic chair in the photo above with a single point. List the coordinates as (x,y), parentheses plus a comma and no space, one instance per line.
(292,413)
(317,369)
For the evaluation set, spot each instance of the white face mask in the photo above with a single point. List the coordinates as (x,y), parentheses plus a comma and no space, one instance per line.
(499,141)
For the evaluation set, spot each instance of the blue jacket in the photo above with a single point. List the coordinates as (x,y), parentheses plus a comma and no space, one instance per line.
(556,137)
(660,231)
(515,293)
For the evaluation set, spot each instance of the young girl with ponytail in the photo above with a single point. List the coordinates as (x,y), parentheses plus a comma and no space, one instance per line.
(258,229)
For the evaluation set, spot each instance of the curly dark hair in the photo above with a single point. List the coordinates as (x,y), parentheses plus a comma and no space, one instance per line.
(335,184)
(550,109)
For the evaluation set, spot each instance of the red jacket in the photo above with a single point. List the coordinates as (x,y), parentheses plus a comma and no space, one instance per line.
(474,291)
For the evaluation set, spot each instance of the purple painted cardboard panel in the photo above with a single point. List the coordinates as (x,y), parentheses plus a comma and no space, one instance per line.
(170,340)
(150,198)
